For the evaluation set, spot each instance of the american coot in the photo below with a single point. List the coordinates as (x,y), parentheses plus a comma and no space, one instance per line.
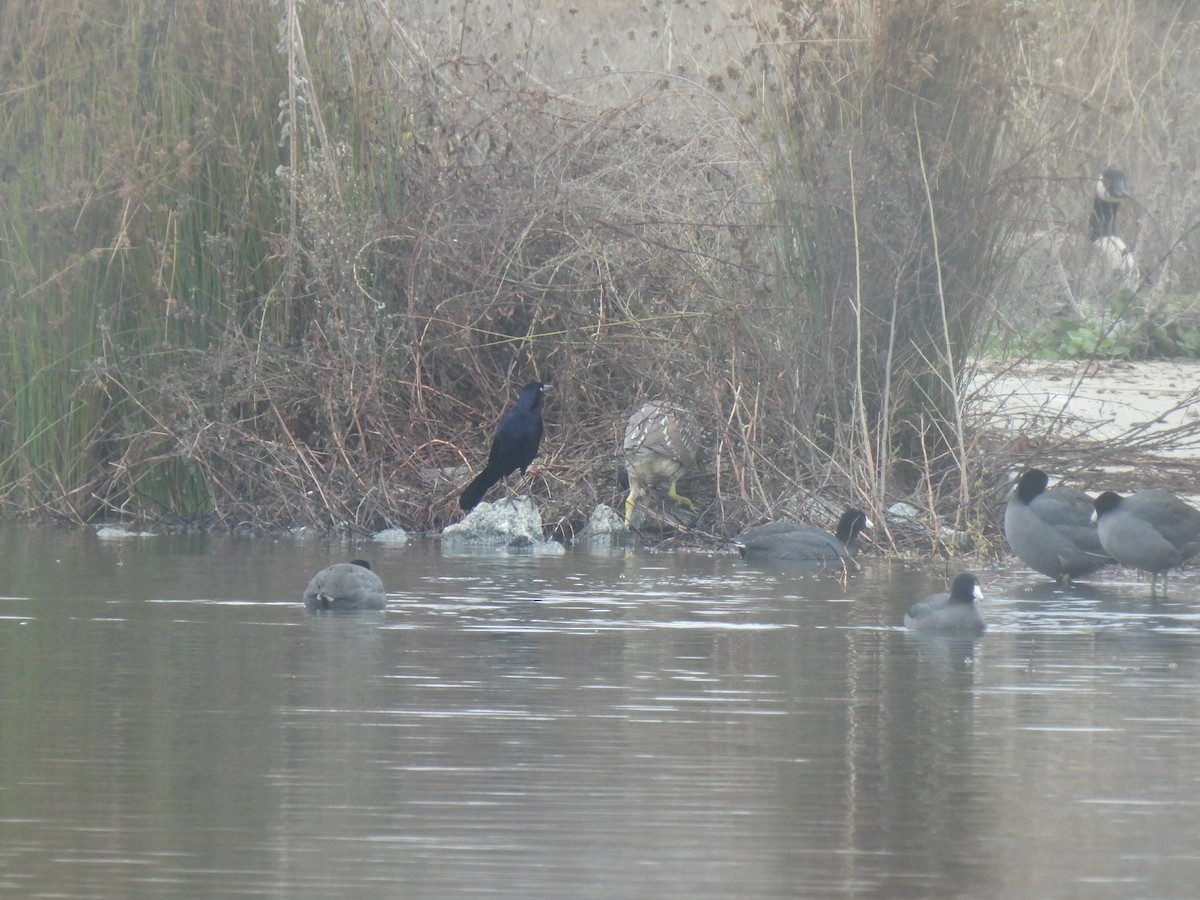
(661,443)
(788,540)
(1052,531)
(1151,530)
(345,586)
(952,613)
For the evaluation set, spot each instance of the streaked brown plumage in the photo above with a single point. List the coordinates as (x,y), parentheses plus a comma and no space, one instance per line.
(661,442)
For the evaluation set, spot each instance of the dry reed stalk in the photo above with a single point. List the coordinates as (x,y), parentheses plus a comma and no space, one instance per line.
(198,332)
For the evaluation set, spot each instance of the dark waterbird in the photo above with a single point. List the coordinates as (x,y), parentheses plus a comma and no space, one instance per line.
(345,586)
(1052,531)
(514,445)
(1152,530)
(953,613)
(1111,189)
(792,541)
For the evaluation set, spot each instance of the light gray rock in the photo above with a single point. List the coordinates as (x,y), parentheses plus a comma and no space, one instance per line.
(902,512)
(395,536)
(508,524)
(603,522)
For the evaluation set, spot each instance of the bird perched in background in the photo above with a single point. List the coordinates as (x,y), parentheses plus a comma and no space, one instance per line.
(791,541)
(950,614)
(661,443)
(514,445)
(345,586)
(1111,189)
(1151,530)
(1052,531)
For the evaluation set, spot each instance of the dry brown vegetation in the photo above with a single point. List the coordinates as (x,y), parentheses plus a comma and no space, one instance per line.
(250,278)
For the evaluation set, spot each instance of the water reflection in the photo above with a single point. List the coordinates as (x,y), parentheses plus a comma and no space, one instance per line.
(172,723)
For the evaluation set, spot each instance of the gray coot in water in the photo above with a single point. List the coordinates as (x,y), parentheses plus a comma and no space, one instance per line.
(791,541)
(952,613)
(345,586)
(1052,531)
(1151,530)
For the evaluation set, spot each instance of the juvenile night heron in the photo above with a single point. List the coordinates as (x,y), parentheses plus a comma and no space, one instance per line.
(661,443)
(345,586)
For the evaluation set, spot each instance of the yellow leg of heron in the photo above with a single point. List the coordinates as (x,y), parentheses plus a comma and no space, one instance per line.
(682,501)
(630,501)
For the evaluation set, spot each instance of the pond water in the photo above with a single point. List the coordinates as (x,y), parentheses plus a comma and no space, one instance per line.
(617,724)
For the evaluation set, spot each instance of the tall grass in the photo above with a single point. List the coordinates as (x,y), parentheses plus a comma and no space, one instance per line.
(895,192)
(135,141)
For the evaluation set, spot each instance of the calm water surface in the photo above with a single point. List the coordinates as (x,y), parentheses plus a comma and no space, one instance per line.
(173,724)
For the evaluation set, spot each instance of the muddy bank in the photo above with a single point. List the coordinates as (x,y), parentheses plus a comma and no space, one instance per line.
(1133,424)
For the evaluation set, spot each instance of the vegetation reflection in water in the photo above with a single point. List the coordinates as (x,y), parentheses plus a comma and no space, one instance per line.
(633,725)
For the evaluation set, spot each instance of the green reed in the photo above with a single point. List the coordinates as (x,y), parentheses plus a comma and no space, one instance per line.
(138,144)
